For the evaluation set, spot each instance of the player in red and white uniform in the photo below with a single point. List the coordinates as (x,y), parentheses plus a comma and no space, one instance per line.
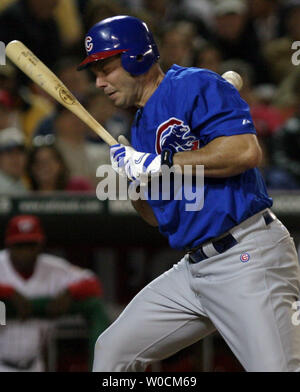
(37,287)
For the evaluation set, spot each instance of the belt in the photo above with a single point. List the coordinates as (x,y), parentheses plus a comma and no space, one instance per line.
(223,244)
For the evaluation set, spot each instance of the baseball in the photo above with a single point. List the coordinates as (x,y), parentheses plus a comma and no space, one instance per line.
(234,78)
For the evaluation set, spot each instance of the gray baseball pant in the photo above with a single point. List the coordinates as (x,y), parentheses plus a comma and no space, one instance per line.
(249,303)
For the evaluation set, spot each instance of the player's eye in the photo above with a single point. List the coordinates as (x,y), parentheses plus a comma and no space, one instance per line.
(105,71)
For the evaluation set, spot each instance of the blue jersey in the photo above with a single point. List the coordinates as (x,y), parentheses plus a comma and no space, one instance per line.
(189,109)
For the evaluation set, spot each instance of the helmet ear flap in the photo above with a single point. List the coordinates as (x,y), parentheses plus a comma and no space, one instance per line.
(137,64)
(139,58)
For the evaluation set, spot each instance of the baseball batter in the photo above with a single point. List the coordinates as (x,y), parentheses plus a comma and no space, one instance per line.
(240,274)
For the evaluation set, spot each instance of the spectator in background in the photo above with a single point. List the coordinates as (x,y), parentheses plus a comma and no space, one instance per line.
(267,117)
(264,16)
(13,157)
(37,288)
(8,117)
(8,77)
(22,109)
(48,172)
(199,12)
(77,82)
(208,56)
(5,3)
(36,105)
(286,141)
(247,73)
(32,22)
(82,157)
(276,178)
(156,11)
(96,10)
(160,9)
(117,121)
(287,94)
(33,106)
(278,52)
(177,45)
(25,106)
(286,147)
(69,23)
(235,37)
(67,16)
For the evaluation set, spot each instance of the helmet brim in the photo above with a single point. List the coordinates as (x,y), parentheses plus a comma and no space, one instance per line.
(99,56)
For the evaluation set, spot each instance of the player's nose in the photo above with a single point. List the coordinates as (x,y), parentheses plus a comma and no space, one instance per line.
(100,81)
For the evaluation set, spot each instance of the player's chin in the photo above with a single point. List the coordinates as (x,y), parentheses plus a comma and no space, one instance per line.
(120,103)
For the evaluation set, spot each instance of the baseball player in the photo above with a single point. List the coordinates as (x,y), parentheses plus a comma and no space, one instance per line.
(36,288)
(240,274)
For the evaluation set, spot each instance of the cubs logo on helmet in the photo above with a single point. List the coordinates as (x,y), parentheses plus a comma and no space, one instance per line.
(88,43)
(175,135)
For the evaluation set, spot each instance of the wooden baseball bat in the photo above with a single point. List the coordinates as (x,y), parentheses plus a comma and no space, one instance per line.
(36,70)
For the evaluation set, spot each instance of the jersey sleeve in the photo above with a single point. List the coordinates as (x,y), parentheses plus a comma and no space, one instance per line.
(219,110)
(71,273)
(81,283)
(85,288)
(6,291)
(62,275)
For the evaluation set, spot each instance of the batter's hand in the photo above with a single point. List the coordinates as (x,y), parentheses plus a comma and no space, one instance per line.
(123,140)
(135,165)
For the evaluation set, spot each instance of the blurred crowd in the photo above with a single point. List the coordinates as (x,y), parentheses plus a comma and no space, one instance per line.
(45,148)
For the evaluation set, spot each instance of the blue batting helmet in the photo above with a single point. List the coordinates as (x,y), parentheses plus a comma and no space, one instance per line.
(125,35)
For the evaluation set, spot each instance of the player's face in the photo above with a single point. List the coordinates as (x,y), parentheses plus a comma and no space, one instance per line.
(13,162)
(122,88)
(24,255)
(46,167)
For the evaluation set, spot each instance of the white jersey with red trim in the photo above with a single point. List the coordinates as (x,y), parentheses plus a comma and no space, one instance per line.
(21,341)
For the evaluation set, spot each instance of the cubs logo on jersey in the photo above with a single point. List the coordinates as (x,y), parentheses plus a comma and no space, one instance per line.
(176,135)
